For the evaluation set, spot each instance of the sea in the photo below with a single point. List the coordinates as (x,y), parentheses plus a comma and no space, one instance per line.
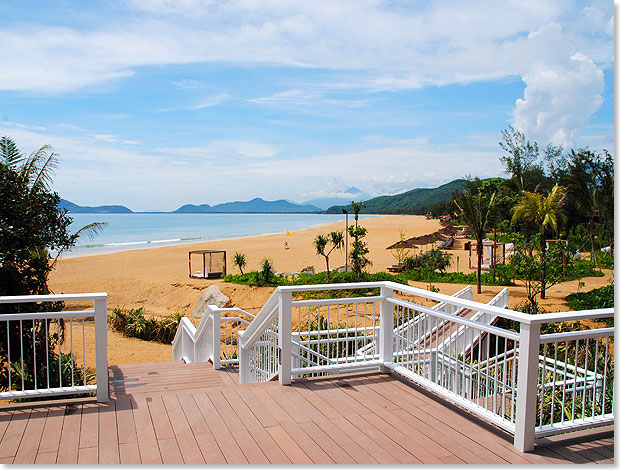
(144,230)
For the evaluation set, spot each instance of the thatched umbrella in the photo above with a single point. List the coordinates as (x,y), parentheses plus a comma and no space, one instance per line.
(421,240)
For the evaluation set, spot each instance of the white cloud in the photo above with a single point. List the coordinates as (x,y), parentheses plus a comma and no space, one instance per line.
(93,171)
(562,91)
(557,47)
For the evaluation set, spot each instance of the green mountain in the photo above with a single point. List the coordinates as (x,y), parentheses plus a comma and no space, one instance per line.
(76,209)
(416,201)
(255,205)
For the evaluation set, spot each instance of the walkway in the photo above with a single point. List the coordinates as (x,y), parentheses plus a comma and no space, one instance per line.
(178,413)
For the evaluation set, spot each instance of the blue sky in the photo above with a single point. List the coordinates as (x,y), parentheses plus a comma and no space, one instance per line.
(157,103)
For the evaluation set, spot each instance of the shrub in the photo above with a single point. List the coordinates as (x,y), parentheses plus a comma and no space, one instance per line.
(134,324)
(603,297)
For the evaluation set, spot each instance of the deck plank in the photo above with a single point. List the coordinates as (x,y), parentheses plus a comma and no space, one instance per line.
(269,447)
(204,437)
(161,422)
(14,433)
(170,452)
(88,456)
(288,445)
(129,453)
(27,451)
(145,432)
(108,434)
(227,444)
(52,429)
(70,436)
(309,446)
(182,431)
(89,429)
(329,445)
(46,458)
(124,420)
(180,413)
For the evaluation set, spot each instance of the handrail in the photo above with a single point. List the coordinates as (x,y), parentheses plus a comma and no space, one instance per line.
(100,316)
(445,364)
(262,318)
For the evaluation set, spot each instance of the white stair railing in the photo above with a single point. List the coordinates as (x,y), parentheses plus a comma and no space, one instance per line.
(214,340)
(516,380)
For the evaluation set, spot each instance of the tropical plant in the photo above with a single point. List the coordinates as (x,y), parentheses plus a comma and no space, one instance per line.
(31,227)
(266,268)
(134,324)
(336,239)
(240,261)
(359,249)
(400,252)
(476,206)
(544,213)
(538,270)
(591,185)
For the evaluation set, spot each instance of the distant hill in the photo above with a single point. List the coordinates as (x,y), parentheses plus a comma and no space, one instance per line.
(348,195)
(76,209)
(416,201)
(255,205)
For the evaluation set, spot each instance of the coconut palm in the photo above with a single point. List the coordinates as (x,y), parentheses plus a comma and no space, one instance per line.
(544,212)
(477,208)
(36,172)
(240,261)
(320,244)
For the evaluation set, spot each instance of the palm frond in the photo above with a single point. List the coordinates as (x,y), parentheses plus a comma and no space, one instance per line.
(9,153)
(44,174)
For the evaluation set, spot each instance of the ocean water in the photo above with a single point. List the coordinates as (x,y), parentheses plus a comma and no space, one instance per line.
(134,231)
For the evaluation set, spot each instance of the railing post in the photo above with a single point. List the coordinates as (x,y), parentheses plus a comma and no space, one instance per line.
(386,329)
(244,360)
(216,339)
(284,336)
(527,386)
(101,348)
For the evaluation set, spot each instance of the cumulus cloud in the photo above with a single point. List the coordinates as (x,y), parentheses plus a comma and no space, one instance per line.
(563,89)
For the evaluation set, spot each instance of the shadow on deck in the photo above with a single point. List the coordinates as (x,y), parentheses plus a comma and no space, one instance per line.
(190,413)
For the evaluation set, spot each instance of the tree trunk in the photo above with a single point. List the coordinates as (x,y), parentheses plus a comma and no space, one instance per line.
(327,263)
(591,230)
(479,250)
(543,259)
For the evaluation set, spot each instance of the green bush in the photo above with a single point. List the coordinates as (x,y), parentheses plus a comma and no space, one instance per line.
(603,297)
(134,324)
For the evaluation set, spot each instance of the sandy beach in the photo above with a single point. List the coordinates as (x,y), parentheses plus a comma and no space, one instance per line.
(157,278)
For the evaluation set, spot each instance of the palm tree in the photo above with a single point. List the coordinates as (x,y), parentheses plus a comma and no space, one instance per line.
(239,260)
(320,244)
(544,213)
(36,171)
(477,209)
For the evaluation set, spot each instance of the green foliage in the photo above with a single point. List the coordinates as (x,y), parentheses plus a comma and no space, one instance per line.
(603,297)
(359,249)
(320,244)
(416,201)
(265,272)
(240,261)
(64,369)
(135,324)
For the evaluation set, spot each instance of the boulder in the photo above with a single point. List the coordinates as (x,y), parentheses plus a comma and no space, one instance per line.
(212,295)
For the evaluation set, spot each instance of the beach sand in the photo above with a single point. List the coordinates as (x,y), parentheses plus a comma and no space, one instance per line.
(157,278)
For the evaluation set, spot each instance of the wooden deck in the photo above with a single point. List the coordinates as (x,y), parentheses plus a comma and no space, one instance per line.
(178,413)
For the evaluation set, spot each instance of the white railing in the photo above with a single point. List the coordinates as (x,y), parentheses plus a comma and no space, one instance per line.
(506,377)
(45,353)
(214,340)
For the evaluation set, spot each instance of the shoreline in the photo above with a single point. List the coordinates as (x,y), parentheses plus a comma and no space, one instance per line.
(201,240)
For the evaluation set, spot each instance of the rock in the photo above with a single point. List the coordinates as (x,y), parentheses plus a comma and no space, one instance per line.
(212,295)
